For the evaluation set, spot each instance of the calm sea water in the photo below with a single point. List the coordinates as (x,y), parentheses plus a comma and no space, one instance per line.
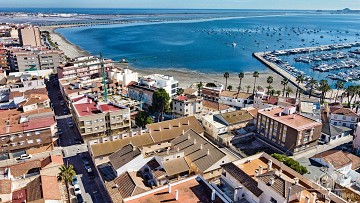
(205,43)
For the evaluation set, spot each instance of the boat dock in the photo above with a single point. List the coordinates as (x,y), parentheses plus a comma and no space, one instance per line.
(278,70)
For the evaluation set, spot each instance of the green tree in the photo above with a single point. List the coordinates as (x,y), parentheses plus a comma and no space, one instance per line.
(179,91)
(351,91)
(241,76)
(272,92)
(288,91)
(269,80)
(226,76)
(143,118)
(293,164)
(339,86)
(324,87)
(161,102)
(229,87)
(299,79)
(66,173)
(255,75)
(259,88)
(313,82)
(285,82)
(247,88)
(199,86)
(269,88)
(278,92)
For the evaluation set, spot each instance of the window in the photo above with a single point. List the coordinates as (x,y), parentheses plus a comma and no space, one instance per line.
(30,141)
(344,117)
(28,134)
(101,120)
(344,124)
(272,200)
(88,122)
(37,132)
(38,140)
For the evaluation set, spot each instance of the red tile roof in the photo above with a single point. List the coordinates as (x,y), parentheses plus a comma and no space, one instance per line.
(50,188)
(90,108)
(182,98)
(19,196)
(5,186)
(345,112)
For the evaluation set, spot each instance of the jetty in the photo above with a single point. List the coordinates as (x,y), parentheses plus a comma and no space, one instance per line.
(278,70)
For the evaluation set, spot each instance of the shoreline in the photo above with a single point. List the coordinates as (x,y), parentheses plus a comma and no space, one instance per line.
(186,77)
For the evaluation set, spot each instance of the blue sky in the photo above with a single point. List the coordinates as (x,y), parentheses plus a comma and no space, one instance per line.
(221,4)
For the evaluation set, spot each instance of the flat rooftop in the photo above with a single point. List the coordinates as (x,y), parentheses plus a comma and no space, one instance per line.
(89,107)
(295,121)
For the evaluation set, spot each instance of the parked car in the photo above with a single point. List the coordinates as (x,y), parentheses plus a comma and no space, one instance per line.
(74,180)
(25,156)
(77,189)
(79,198)
(62,103)
(84,159)
(71,124)
(60,132)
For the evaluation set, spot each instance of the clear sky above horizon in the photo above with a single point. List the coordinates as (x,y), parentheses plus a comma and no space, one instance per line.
(195,4)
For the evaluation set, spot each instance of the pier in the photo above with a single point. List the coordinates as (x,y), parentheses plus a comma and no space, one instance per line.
(278,70)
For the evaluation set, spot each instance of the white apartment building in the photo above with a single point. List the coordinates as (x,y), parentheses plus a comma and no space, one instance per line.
(187,105)
(161,81)
(344,117)
(212,127)
(125,75)
(235,99)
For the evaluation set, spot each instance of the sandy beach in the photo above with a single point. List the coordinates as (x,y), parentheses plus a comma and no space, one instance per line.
(69,49)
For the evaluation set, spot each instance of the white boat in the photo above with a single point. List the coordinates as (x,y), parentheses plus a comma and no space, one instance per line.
(233,44)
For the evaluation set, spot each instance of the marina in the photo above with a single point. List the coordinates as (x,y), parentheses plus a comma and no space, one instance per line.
(322,62)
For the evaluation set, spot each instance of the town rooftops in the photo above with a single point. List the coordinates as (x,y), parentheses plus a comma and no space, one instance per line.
(50,188)
(192,189)
(235,95)
(235,117)
(158,133)
(280,185)
(124,156)
(295,121)
(339,159)
(5,186)
(243,178)
(13,120)
(187,98)
(188,91)
(176,166)
(125,185)
(215,106)
(345,112)
(197,149)
(87,107)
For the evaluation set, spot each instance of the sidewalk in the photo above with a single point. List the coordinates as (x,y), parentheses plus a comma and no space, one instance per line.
(321,148)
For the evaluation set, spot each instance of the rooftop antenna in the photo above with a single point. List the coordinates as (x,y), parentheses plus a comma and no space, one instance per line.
(104,79)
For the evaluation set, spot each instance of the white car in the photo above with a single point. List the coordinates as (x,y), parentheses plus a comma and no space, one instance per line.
(25,156)
(77,189)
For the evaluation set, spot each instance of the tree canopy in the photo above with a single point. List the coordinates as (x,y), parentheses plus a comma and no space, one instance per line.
(161,102)
(290,163)
(143,118)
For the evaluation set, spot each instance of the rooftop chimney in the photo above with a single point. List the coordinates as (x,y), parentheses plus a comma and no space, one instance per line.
(213,195)
(168,151)
(208,152)
(260,170)
(169,188)
(296,181)
(256,172)
(134,148)
(194,141)
(327,200)
(307,199)
(269,165)
(201,146)
(159,128)
(314,197)
(169,125)
(116,185)
(176,195)
(188,122)
(178,149)
(188,136)
(272,181)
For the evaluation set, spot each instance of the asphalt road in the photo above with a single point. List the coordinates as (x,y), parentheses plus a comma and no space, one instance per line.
(92,188)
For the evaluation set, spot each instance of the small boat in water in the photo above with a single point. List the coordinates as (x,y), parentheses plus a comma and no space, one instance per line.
(233,44)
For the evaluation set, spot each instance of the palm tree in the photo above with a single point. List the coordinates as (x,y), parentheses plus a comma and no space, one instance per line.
(288,91)
(272,92)
(284,82)
(351,92)
(269,87)
(278,92)
(241,76)
(299,79)
(226,76)
(339,86)
(269,80)
(229,87)
(258,88)
(66,173)
(312,85)
(324,87)
(247,88)
(255,75)
(199,86)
